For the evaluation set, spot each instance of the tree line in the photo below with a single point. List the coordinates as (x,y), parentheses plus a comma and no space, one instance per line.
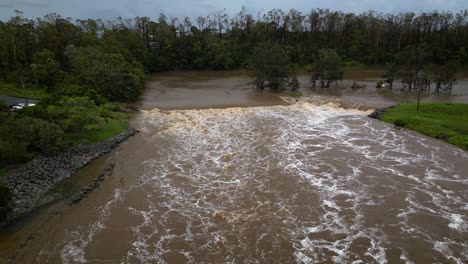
(53,49)
(220,41)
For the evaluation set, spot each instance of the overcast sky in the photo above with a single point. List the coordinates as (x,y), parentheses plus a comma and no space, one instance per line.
(192,8)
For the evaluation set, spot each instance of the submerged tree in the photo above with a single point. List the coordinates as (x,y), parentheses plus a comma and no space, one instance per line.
(273,68)
(390,73)
(445,77)
(420,84)
(327,68)
(411,60)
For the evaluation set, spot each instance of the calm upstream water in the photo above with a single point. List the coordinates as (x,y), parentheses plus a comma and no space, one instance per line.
(259,180)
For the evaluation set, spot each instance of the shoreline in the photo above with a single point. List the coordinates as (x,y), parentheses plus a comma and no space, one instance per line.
(379,112)
(30,182)
(436,120)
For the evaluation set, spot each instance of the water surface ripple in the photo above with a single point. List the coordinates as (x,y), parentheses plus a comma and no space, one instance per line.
(281,184)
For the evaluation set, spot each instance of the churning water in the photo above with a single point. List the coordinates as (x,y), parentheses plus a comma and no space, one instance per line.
(281,184)
(299,183)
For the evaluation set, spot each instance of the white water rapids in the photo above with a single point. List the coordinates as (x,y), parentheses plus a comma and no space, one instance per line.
(280,184)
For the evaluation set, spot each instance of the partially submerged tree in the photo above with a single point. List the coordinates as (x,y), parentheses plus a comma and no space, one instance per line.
(390,74)
(411,60)
(445,76)
(327,68)
(273,68)
(420,84)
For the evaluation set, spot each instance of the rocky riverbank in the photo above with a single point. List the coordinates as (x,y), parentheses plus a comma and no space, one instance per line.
(378,113)
(32,180)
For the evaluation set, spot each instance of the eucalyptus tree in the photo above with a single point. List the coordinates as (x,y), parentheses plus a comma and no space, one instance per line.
(390,74)
(445,76)
(45,69)
(273,69)
(327,68)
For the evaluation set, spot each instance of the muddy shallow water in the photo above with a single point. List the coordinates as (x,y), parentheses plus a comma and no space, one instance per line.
(270,183)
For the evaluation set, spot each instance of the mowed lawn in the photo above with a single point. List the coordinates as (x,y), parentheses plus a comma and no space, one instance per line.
(445,121)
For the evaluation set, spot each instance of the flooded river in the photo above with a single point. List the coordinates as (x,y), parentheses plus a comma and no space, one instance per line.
(221,173)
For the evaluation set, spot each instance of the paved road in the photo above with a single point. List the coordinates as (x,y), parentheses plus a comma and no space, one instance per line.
(10,100)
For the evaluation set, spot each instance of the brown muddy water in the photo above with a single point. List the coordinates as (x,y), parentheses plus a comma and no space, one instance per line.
(221,173)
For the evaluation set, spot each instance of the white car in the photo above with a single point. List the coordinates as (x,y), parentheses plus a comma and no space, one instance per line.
(21,106)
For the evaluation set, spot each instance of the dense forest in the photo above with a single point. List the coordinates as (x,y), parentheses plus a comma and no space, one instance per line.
(53,49)
(222,42)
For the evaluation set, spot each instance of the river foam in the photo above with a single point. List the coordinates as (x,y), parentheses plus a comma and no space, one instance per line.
(303,183)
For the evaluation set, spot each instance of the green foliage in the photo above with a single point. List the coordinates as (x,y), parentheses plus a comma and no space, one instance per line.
(220,55)
(77,115)
(3,106)
(23,136)
(411,60)
(13,152)
(53,125)
(445,76)
(273,68)
(400,123)
(128,44)
(391,71)
(222,42)
(73,90)
(5,199)
(109,73)
(327,68)
(111,126)
(45,69)
(441,120)
(42,136)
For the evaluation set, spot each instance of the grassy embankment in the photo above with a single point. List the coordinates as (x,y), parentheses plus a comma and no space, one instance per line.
(445,121)
(112,127)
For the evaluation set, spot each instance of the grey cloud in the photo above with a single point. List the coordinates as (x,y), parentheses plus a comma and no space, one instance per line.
(32,3)
(109,9)
(6,3)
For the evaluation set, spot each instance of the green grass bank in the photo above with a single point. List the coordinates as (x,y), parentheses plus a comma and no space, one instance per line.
(109,127)
(444,121)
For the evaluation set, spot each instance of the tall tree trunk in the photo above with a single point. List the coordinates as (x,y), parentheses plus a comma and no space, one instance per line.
(419,98)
